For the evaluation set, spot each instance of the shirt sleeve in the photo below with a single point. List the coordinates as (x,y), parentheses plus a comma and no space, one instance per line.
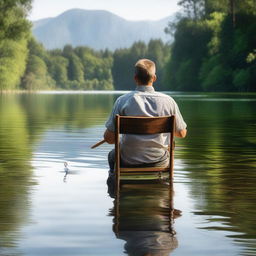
(110,124)
(179,122)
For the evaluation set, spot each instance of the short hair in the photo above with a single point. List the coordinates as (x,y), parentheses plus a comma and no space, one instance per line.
(145,70)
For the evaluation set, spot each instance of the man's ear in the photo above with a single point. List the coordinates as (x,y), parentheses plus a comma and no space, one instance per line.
(154,78)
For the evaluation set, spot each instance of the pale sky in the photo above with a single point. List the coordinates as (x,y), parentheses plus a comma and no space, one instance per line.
(128,9)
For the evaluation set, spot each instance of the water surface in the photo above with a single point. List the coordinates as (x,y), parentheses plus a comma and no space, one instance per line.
(47,210)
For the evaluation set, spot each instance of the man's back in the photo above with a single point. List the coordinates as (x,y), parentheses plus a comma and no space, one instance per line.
(145,101)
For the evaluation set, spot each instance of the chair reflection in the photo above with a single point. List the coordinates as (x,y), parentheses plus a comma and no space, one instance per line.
(143,216)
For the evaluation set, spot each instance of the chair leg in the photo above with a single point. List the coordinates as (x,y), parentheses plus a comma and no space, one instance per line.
(116,220)
(117,172)
(171,208)
(171,174)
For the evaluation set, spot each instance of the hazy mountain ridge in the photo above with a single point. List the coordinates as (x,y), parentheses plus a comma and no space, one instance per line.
(96,29)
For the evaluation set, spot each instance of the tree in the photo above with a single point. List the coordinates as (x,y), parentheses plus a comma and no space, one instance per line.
(193,9)
(36,76)
(125,59)
(123,65)
(13,21)
(75,69)
(159,53)
(214,51)
(58,69)
(14,31)
(188,51)
(13,55)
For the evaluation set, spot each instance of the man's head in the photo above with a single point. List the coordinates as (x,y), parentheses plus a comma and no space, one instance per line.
(145,72)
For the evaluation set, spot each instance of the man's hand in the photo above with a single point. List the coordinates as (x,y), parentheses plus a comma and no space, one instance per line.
(109,137)
(181,134)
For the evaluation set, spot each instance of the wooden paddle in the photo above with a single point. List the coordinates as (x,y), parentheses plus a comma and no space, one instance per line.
(98,144)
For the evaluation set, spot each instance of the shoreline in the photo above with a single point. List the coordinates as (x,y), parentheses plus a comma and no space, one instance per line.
(114,92)
(62,92)
(13,91)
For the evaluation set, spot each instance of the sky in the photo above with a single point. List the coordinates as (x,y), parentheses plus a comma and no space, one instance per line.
(128,9)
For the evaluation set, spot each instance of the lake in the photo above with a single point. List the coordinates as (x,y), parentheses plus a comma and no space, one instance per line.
(48,210)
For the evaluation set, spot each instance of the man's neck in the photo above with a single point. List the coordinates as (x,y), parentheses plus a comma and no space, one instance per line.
(149,84)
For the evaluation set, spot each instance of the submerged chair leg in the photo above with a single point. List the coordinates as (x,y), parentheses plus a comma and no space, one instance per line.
(117,215)
(171,209)
(117,182)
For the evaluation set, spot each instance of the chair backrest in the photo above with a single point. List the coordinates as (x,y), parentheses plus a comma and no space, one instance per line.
(143,125)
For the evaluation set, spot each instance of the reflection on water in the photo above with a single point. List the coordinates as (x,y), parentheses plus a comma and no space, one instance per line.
(143,218)
(219,158)
(24,119)
(42,215)
(14,171)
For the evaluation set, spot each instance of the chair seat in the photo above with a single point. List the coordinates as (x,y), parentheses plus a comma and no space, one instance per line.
(146,174)
(143,169)
(144,177)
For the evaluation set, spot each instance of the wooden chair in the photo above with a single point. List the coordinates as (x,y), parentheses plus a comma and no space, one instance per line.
(142,125)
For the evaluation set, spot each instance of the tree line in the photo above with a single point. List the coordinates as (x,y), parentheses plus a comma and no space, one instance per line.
(82,68)
(79,68)
(214,49)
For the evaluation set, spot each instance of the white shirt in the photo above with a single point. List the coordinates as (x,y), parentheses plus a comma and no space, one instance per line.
(145,101)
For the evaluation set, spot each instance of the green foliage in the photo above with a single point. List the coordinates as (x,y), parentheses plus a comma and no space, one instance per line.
(58,69)
(13,56)
(80,68)
(75,69)
(241,79)
(125,59)
(193,9)
(216,6)
(184,75)
(122,69)
(251,57)
(214,24)
(37,49)
(14,31)
(37,76)
(95,64)
(214,52)
(159,52)
(214,76)
(188,50)
(240,6)
(13,21)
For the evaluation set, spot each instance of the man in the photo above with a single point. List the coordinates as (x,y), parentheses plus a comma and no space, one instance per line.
(144,150)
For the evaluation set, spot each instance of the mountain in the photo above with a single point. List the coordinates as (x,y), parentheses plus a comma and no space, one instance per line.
(96,29)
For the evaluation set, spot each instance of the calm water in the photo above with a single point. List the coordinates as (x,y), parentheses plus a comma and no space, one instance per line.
(46,211)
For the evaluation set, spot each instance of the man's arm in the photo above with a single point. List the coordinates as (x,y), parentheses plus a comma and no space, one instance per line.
(109,136)
(181,134)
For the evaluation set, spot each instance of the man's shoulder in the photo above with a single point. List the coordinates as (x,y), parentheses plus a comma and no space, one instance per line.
(126,96)
(134,94)
(163,96)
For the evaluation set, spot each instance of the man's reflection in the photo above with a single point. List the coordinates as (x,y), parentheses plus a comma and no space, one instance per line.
(143,217)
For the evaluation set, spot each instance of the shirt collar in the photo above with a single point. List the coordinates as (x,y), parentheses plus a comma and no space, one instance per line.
(145,88)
